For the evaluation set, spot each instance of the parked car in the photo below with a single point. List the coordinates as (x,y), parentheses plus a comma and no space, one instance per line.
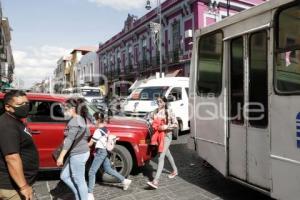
(46,122)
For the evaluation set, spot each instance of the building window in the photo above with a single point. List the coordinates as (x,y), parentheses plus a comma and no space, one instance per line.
(136,55)
(129,55)
(144,50)
(118,62)
(176,35)
(92,72)
(209,70)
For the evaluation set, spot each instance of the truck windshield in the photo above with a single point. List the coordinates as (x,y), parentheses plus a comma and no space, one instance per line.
(148,93)
(90,92)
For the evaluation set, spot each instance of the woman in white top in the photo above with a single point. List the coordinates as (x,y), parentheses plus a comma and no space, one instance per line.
(101,157)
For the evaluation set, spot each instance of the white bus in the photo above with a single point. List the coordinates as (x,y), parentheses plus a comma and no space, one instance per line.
(245,97)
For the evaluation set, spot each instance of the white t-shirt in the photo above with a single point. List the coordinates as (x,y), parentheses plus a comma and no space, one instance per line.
(100,137)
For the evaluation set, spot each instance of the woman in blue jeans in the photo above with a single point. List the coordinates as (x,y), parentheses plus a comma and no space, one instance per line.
(101,157)
(73,172)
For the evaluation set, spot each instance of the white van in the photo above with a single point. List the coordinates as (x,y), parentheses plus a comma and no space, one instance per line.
(143,99)
(91,94)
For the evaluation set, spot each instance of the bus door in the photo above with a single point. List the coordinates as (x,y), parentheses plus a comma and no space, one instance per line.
(249,138)
(209,121)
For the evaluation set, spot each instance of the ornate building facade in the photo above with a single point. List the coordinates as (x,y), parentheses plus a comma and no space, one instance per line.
(6,57)
(133,53)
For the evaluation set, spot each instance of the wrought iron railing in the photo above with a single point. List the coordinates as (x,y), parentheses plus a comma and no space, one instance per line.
(172,57)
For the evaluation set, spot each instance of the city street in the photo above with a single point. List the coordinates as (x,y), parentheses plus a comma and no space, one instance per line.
(117,78)
(195,182)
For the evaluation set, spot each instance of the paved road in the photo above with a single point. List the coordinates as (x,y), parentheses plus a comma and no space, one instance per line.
(195,182)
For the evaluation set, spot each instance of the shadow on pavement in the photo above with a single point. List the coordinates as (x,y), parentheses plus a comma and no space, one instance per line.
(199,173)
(49,175)
(62,192)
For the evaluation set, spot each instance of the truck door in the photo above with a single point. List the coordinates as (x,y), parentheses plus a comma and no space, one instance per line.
(47,124)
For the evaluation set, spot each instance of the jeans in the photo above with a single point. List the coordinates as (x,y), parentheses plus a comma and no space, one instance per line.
(161,159)
(73,175)
(99,159)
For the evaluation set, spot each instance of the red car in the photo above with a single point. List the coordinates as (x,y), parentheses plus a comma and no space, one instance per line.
(46,122)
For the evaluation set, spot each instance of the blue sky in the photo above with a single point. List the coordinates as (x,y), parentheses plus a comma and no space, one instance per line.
(45,30)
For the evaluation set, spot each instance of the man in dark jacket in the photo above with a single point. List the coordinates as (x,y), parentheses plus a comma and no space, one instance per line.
(19,161)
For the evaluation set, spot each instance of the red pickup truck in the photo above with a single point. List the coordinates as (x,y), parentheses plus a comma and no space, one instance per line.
(46,122)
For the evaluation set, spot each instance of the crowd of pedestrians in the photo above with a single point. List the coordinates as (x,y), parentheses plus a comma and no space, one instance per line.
(19,159)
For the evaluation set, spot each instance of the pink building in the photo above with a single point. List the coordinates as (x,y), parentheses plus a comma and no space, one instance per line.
(133,54)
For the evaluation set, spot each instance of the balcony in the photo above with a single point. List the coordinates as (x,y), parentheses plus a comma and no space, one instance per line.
(173,57)
(109,75)
(143,65)
(155,61)
(116,73)
(128,69)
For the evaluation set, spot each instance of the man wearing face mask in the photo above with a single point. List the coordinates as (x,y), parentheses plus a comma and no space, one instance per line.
(19,161)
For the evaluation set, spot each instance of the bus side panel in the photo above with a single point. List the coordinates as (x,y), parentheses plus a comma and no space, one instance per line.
(258,157)
(286,180)
(237,152)
(285,154)
(210,131)
(214,154)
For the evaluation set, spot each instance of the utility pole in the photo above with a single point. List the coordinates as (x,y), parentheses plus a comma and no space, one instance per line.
(148,7)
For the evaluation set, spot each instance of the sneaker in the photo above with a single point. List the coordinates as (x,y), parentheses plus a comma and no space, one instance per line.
(126,184)
(173,174)
(153,184)
(91,196)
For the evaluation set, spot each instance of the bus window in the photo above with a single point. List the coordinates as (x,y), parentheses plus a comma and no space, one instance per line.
(258,88)
(237,80)
(209,80)
(287,62)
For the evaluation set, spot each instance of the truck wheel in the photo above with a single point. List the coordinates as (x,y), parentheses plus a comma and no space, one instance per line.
(121,160)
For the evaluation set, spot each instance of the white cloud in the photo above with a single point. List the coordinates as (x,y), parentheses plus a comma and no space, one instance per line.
(33,64)
(120,4)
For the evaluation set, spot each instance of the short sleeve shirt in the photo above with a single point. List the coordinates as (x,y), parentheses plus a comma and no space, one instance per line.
(161,114)
(100,137)
(15,138)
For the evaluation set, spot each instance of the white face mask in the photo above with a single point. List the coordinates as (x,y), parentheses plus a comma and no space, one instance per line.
(67,114)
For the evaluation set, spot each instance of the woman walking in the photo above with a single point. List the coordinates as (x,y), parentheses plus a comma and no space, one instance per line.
(168,122)
(100,138)
(76,144)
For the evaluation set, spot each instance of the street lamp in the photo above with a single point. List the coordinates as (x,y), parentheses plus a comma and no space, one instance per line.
(228,7)
(148,7)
